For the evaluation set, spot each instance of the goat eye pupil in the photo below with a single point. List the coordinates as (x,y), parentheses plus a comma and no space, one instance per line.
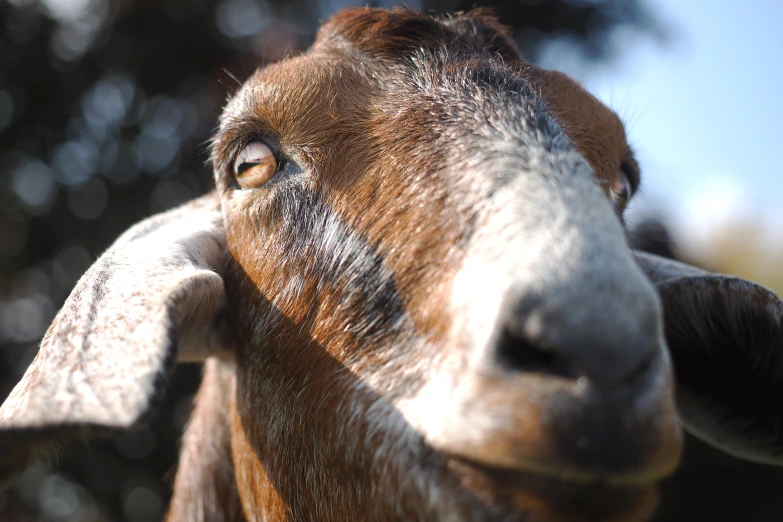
(243,167)
(625,191)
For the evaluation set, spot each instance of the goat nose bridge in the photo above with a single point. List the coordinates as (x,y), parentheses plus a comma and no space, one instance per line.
(608,335)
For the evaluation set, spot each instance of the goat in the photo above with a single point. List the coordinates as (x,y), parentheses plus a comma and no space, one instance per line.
(415,298)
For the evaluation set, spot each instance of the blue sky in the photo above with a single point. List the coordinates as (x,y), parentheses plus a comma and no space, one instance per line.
(704,111)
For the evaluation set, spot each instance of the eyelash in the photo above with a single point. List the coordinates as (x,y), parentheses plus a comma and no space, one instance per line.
(631,175)
(282,162)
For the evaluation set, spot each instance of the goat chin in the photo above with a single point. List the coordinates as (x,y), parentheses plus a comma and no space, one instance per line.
(551,499)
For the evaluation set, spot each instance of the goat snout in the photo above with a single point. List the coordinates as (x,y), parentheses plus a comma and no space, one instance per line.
(607,342)
(557,364)
(578,390)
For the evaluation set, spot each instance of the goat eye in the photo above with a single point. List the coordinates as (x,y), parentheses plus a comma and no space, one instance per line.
(255,165)
(622,191)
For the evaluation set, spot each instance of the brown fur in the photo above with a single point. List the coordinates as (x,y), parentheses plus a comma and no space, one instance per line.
(595,130)
(205,489)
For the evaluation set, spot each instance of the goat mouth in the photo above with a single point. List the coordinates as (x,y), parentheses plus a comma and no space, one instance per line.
(565,475)
(563,498)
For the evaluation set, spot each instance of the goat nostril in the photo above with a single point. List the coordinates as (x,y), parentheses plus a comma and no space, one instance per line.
(518,354)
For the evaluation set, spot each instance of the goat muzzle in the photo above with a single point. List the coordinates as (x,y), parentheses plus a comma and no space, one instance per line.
(558,375)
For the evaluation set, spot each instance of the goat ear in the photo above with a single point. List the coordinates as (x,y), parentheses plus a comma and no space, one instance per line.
(725,337)
(104,361)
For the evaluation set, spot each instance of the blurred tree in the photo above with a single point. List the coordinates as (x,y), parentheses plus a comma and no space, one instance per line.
(747,248)
(105,107)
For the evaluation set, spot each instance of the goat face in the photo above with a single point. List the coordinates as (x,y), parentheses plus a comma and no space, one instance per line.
(435,284)
(430,310)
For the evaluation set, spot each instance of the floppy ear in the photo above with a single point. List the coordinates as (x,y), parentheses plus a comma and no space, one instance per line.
(150,298)
(725,336)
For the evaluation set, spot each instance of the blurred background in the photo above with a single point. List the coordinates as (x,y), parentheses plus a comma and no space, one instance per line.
(105,107)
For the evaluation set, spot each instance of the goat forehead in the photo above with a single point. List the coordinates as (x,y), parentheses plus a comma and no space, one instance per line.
(336,80)
(315,95)
(302,100)
(335,111)
(337,86)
